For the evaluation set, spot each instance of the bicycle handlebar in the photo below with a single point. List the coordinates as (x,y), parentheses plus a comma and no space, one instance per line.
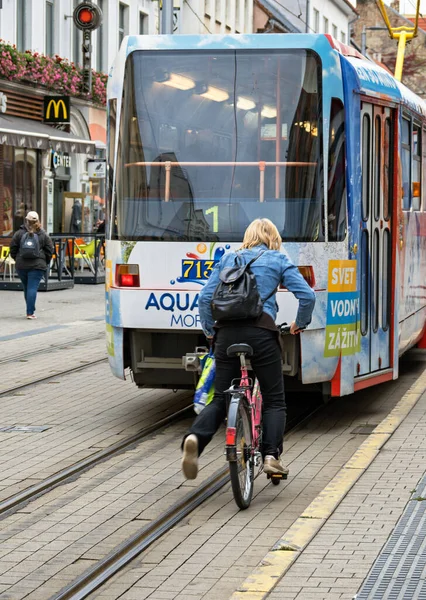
(285,329)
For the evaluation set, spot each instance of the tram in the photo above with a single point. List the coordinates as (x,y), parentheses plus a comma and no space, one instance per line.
(207,133)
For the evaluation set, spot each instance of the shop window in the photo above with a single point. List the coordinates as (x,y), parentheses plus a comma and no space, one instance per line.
(337,173)
(6,190)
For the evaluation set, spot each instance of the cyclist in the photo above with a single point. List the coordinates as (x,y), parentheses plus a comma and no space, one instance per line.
(270,269)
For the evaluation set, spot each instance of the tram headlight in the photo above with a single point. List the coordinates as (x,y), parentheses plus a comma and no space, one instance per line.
(127,276)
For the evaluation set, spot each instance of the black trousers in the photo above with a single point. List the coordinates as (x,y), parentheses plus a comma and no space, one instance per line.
(267,365)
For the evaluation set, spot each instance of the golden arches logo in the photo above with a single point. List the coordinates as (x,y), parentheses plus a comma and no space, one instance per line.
(57,104)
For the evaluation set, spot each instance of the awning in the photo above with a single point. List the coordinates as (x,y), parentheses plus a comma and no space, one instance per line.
(24,133)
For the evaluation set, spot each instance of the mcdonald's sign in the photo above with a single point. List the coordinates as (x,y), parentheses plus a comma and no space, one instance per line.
(56,109)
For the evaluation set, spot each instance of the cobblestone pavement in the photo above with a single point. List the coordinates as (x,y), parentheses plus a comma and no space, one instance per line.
(209,554)
(47,543)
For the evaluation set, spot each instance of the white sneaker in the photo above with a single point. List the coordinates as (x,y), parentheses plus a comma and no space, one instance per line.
(190,457)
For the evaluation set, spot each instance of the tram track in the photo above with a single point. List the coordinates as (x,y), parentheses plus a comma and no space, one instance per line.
(18,388)
(19,500)
(123,554)
(63,345)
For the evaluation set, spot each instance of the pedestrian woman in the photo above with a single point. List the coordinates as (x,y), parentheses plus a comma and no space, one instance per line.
(32,250)
(271,268)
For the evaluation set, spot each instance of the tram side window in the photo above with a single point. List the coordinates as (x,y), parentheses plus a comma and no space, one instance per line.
(337,173)
(406,164)
(365,166)
(417,167)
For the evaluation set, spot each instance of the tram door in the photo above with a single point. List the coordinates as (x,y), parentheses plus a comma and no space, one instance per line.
(375,252)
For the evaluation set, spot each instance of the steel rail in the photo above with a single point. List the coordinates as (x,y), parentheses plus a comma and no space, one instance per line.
(97,575)
(17,388)
(103,570)
(64,345)
(22,498)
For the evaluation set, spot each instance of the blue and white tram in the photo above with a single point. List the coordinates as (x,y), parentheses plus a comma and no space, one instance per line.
(207,133)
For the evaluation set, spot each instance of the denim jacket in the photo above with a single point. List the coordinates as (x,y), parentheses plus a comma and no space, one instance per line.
(271,269)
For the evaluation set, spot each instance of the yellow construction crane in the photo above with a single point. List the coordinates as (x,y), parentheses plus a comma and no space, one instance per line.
(403,34)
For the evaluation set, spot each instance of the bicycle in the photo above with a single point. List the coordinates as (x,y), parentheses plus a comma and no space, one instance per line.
(244,429)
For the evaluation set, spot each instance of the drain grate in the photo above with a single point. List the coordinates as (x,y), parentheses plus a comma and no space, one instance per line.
(364,429)
(399,572)
(24,428)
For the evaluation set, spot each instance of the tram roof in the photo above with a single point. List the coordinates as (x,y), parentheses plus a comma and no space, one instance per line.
(376,81)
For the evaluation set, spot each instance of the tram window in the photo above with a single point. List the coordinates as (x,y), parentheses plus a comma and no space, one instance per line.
(388,170)
(364,281)
(365,166)
(417,163)
(376,280)
(386,278)
(336,173)
(377,162)
(406,164)
(216,117)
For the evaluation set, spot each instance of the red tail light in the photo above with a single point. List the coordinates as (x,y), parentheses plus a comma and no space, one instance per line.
(127,276)
(231,434)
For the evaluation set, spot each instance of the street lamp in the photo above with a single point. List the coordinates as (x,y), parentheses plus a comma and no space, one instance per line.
(364,36)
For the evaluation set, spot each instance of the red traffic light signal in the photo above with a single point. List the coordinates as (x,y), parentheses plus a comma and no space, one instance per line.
(87,16)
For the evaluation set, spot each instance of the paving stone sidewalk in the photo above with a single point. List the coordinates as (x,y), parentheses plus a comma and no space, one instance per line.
(335,564)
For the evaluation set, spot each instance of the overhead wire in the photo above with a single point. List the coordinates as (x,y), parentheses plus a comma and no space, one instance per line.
(293,14)
(196,14)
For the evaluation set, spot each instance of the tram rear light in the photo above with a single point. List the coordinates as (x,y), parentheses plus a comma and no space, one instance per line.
(127,275)
(231,434)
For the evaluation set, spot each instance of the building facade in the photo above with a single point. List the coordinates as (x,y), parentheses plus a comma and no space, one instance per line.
(305,16)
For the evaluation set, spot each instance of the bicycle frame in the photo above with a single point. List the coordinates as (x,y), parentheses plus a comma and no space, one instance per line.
(254,401)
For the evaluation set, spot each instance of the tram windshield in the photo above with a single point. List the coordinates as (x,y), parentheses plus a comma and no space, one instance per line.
(209,141)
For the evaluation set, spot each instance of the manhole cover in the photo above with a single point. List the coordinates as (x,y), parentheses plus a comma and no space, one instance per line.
(24,428)
(364,429)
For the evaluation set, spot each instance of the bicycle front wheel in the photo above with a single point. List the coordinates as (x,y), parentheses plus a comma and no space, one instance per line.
(239,447)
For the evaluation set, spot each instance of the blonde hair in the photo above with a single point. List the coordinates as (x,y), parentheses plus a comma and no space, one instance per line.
(262,231)
(33,225)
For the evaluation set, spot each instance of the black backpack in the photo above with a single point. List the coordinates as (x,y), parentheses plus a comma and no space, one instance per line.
(29,246)
(236,295)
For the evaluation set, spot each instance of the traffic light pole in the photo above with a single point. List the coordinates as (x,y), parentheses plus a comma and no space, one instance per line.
(87,61)
(167,16)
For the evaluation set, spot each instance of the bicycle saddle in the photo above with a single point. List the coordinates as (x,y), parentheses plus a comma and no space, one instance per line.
(237,349)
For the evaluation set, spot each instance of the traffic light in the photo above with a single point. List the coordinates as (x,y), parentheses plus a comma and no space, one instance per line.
(87,16)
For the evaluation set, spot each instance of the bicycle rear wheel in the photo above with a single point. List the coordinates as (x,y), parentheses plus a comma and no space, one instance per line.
(238,451)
